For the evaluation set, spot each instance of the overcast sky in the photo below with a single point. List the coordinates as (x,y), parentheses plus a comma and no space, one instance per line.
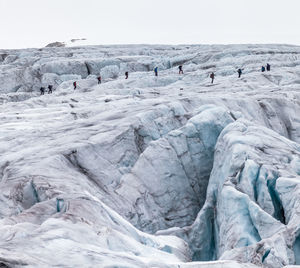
(35,23)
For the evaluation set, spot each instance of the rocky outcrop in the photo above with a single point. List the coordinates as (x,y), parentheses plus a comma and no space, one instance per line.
(56,44)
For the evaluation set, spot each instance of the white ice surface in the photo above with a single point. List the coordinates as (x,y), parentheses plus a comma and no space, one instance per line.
(150,171)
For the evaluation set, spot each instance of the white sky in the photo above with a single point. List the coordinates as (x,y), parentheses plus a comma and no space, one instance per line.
(35,23)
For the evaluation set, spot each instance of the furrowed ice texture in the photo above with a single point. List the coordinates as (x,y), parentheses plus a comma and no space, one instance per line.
(167,171)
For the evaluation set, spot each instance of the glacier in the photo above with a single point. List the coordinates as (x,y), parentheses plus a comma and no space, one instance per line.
(167,171)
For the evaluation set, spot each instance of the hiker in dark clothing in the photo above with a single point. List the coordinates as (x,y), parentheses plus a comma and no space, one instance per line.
(75,85)
(50,89)
(263,68)
(239,72)
(212,76)
(180,69)
(99,79)
(42,89)
(156,71)
(126,75)
(268,67)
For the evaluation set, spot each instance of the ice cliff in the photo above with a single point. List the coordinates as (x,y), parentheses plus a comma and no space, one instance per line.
(169,171)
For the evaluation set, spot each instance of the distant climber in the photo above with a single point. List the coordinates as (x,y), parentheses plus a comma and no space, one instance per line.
(180,69)
(126,75)
(263,68)
(156,71)
(75,85)
(268,67)
(212,76)
(42,89)
(99,79)
(239,72)
(50,89)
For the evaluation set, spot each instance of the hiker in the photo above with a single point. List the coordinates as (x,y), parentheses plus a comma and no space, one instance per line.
(268,67)
(212,76)
(126,75)
(180,69)
(263,68)
(156,71)
(239,72)
(99,79)
(42,89)
(50,89)
(75,85)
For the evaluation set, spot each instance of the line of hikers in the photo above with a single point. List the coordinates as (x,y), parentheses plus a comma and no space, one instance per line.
(212,75)
(180,69)
(42,90)
(240,71)
(99,78)
(263,68)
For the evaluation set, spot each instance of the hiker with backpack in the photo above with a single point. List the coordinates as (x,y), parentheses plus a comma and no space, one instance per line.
(99,79)
(126,75)
(156,71)
(180,69)
(263,68)
(50,89)
(268,67)
(212,76)
(75,85)
(42,90)
(239,72)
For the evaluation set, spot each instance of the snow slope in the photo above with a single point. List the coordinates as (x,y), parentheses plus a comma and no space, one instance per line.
(167,171)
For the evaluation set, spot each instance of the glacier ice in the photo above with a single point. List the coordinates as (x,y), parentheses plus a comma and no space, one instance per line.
(166,171)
